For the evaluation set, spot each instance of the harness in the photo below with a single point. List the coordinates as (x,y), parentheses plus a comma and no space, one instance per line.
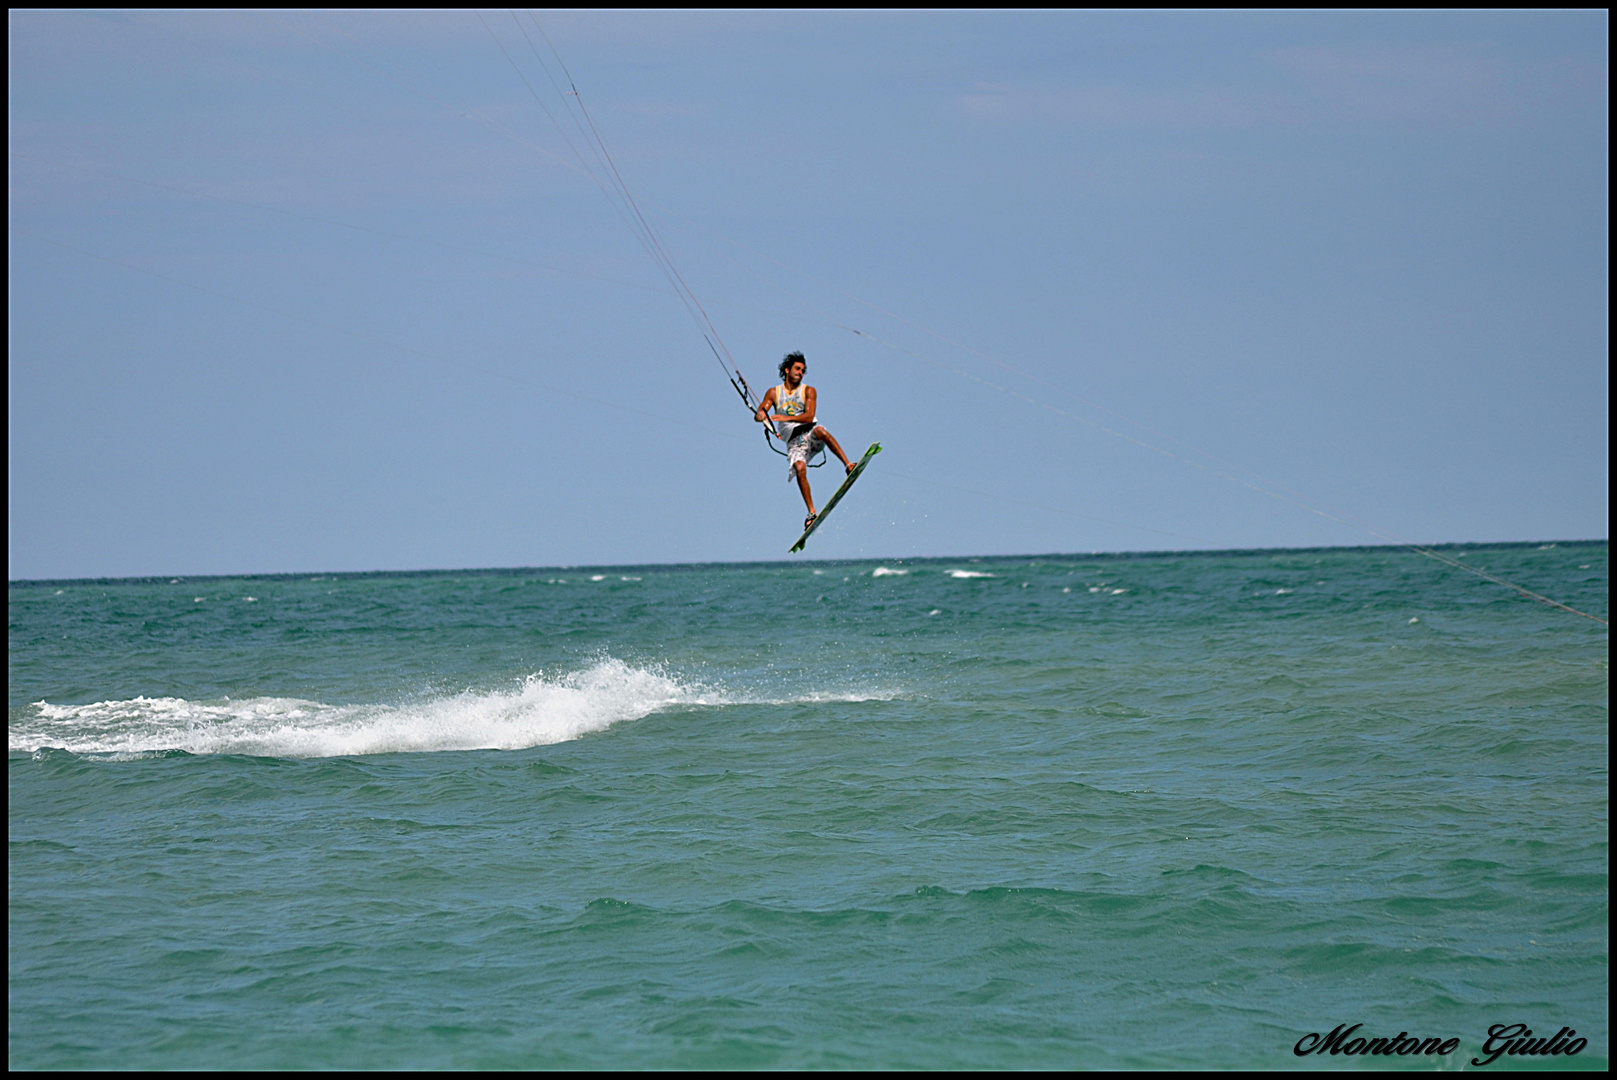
(791,403)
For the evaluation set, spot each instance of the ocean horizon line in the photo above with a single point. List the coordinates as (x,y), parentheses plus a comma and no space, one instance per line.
(284,575)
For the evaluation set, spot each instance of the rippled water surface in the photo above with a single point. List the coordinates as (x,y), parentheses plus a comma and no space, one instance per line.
(1053,812)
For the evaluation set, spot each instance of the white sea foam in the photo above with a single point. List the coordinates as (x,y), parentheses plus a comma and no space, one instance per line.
(887,571)
(969,573)
(541,711)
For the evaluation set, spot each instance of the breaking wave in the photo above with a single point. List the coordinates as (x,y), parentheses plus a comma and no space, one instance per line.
(539,712)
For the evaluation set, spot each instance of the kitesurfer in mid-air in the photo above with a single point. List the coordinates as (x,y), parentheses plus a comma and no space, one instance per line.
(793,420)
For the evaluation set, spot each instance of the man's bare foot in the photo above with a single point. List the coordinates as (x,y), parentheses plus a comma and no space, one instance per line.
(808,522)
(850,466)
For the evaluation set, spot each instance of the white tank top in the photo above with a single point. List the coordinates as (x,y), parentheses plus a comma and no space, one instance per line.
(789,403)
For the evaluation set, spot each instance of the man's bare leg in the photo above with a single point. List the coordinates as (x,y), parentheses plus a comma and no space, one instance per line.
(836,448)
(801,468)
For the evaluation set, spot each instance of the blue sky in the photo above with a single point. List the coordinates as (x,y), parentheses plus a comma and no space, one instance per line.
(298,292)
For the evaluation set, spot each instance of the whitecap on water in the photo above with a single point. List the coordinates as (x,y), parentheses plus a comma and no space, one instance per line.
(887,571)
(969,573)
(541,711)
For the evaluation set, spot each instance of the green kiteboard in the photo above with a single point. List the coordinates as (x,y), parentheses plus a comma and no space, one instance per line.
(825,511)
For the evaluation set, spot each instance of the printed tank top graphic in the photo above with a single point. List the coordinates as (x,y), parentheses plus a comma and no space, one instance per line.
(789,403)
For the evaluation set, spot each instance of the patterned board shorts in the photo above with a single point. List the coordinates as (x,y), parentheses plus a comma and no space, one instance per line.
(804,445)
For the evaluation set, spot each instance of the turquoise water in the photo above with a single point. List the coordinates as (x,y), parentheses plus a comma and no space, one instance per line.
(1051,812)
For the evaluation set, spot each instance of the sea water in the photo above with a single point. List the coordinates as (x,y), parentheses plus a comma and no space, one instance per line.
(1067,811)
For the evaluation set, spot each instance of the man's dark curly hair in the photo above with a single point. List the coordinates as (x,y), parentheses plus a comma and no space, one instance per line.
(790,359)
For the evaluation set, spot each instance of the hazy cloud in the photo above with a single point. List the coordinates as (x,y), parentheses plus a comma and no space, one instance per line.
(1123,107)
(1439,86)
(1436,85)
